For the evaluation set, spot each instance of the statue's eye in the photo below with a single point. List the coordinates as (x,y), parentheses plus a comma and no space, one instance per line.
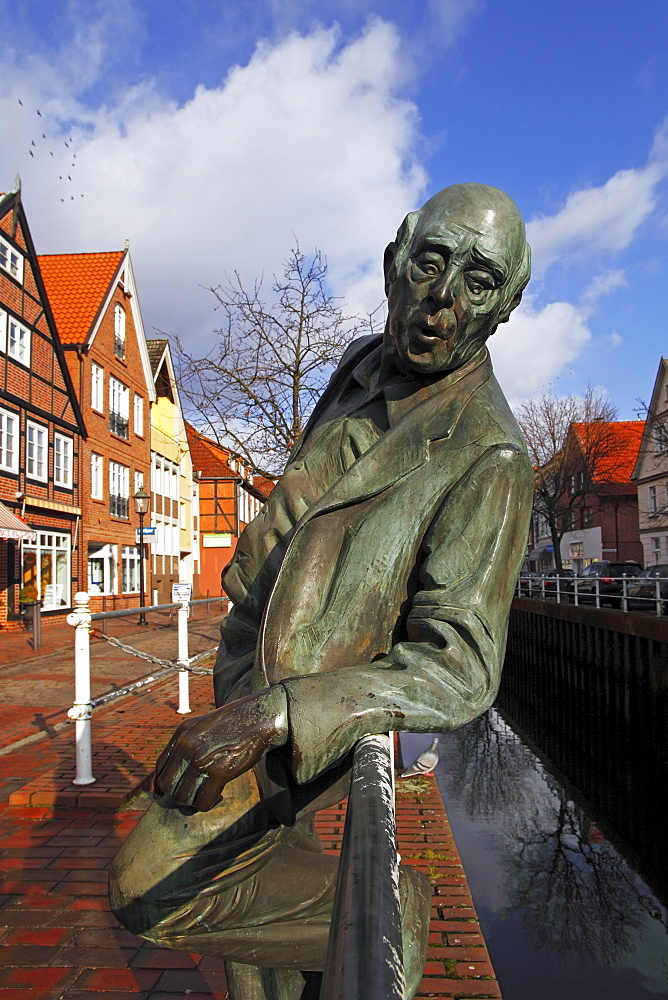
(428,265)
(477,283)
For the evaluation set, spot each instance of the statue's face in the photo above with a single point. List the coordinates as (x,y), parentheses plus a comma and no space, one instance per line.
(447,296)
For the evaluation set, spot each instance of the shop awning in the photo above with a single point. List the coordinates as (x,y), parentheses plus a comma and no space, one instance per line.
(541,553)
(12,526)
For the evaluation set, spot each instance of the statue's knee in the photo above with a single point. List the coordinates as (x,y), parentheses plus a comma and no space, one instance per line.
(128,902)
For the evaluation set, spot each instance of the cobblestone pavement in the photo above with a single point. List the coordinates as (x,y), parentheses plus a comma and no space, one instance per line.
(58,939)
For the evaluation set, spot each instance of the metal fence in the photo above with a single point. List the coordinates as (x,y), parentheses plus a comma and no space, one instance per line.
(615,592)
(81,711)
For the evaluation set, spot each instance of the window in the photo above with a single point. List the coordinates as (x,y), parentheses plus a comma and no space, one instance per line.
(139,415)
(119,482)
(587,518)
(660,432)
(11,261)
(102,569)
(581,480)
(119,407)
(96,487)
(18,342)
(62,460)
(9,456)
(130,569)
(3,330)
(119,331)
(139,481)
(36,454)
(653,503)
(46,566)
(97,388)
(569,520)
(656,550)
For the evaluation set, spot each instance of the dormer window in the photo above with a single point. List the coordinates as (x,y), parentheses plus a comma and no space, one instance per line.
(119,331)
(11,261)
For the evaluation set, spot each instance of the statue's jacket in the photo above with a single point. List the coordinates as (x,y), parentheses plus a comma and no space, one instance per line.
(385,606)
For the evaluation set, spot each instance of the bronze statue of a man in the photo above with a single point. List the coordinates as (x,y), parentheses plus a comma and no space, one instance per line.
(370,594)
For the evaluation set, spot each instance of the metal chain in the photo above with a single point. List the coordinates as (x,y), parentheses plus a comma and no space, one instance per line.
(171,664)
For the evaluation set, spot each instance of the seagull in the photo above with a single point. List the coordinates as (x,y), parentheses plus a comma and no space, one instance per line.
(425,763)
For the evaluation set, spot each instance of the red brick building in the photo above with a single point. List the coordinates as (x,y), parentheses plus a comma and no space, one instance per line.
(94,301)
(229,497)
(600,522)
(41,430)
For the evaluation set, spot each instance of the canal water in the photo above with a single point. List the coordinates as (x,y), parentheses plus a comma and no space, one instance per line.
(564,912)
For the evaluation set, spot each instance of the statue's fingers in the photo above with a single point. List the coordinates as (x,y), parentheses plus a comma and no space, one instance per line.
(169,776)
(189,785)
(209,792)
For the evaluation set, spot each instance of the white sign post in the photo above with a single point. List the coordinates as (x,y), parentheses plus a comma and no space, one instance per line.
(181,593)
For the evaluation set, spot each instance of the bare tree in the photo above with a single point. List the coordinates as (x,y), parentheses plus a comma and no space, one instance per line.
(273,356)
(572,466)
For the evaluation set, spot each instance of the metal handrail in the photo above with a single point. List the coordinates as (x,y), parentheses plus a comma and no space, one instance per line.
(567,589)
(127,612)
(365,954)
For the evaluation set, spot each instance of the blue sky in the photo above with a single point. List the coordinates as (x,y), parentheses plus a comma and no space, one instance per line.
(208,133)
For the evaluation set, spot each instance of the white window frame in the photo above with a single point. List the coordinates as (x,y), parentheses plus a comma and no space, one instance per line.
(53,542)
(9,428)
(656,550)
(37,451)
(96,476)
(11,260)
(107,555)
(3,331)
(119,331)
(652,500)
(139,415)
(18,341)
(130,569)
(119,402)
(63,460)
(138,481)
(119,483)
(97,388)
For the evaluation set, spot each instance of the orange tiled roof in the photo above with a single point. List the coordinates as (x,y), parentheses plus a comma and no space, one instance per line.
(208,458)
(626,435)
(77,284)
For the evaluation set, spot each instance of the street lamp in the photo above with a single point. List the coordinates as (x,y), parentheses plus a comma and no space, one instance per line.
(142,501)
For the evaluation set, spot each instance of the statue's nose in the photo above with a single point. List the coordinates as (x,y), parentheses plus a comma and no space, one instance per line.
(441,290)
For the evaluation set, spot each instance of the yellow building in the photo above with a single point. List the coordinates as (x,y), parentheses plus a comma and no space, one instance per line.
(174,498)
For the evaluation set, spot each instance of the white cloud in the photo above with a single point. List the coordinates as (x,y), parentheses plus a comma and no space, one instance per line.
(309,138)
(601,285)
(537,343)
(604,218)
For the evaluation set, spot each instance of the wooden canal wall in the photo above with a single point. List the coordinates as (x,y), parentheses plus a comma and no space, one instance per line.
(590,687)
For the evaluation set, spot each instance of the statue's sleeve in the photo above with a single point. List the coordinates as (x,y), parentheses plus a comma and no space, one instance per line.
(447,668)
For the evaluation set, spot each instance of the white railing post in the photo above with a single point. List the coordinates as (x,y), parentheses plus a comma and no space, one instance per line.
(658,596)
(182,658)
(558,590)
(624,604)
(598,593)
(575,591)
(81,710)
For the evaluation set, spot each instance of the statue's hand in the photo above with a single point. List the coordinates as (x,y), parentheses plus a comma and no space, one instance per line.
(207,752)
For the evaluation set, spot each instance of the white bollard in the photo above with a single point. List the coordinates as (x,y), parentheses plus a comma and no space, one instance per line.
(182,623)
(81,710)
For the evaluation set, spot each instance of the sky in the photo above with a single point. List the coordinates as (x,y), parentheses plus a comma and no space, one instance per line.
(212,135)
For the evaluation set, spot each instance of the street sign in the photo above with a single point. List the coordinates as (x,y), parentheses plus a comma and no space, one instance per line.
(149,534)
(181,592)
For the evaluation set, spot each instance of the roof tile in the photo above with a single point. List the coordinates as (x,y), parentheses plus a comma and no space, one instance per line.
(621,450)
(77,284)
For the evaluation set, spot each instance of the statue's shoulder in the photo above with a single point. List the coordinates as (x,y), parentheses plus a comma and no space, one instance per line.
(358,349)
(501,423)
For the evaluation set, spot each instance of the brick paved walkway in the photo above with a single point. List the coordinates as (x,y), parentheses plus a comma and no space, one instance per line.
(58,939)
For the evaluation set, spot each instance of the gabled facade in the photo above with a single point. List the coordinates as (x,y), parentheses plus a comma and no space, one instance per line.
(41,428)
(174,505)
(229,498)
(651,473)
(602,521)
(94,301)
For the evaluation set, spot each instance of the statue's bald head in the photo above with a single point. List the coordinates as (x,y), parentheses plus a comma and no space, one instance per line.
(485,210)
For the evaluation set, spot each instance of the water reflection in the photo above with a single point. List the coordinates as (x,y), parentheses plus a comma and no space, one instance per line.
(575,892)
(555,892)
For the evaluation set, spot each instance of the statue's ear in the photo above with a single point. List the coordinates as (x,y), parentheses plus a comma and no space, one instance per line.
(507,309)
(389,265)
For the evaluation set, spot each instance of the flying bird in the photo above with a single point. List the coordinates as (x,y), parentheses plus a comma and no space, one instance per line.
(20,101)
(39,113)
(425,763)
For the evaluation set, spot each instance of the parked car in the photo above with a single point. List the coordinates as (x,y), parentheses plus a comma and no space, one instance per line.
(528,583)
(565,578)
(641,594)
(610,576)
